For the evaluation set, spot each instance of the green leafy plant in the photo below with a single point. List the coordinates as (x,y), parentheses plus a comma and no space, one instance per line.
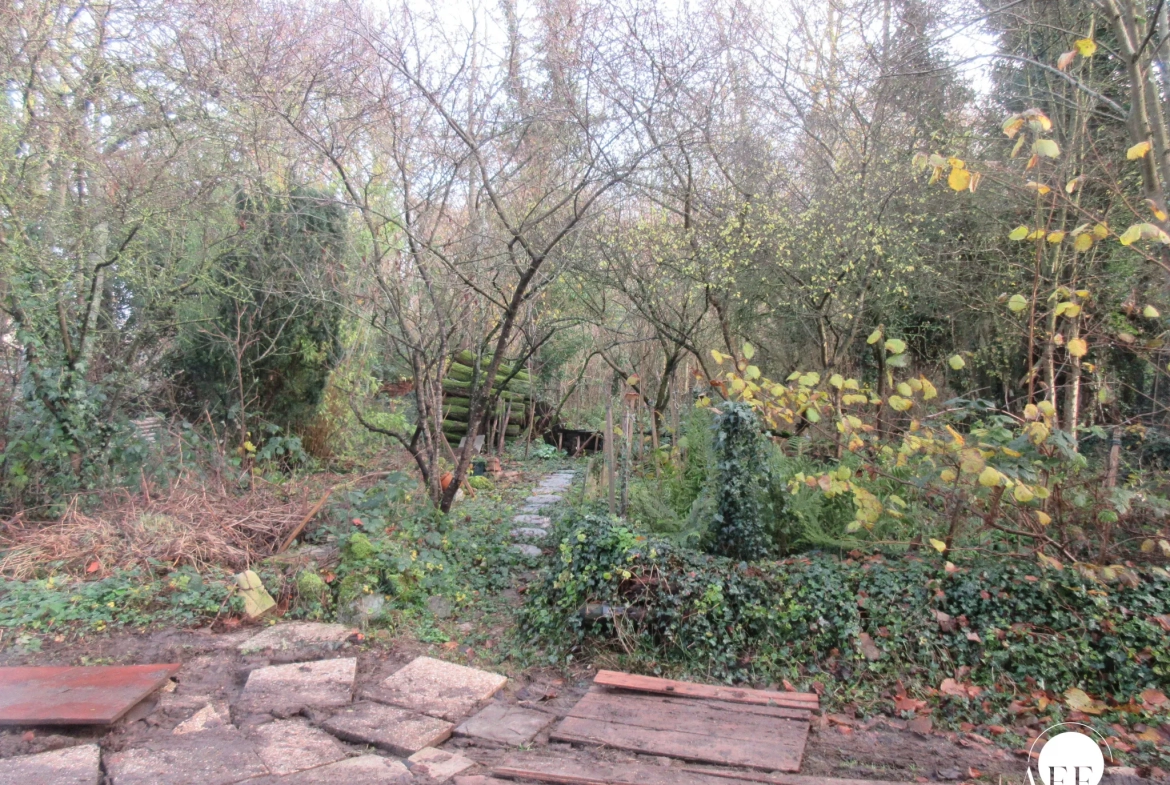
(738,528)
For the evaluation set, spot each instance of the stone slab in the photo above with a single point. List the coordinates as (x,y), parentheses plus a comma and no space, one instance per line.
(438,688)
(439,765)
(391,728)
(211,716)
(213,757)
(502,724)
(533,520)
(361,770)
(298,635)
(289,746)
(531,533)
(527,550)
(79,765)
(543,499)
(284,690)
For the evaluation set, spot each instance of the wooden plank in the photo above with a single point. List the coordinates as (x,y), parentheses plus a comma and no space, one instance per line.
(691,716)
(733,777)
(629,681)
(689,703)
(769,754)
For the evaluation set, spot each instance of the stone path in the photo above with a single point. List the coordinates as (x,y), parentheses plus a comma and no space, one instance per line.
(531,525)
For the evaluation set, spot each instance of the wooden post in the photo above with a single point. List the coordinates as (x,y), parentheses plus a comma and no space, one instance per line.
(628,428)
(609,453)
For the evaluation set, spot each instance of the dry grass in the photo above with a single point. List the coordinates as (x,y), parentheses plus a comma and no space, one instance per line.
(183,524)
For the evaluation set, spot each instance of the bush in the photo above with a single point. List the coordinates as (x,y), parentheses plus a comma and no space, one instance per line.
(738,527)
(1016,626)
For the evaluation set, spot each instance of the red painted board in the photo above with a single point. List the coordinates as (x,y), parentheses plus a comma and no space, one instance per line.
(96,695)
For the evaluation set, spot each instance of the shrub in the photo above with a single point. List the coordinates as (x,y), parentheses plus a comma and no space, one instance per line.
(738,528)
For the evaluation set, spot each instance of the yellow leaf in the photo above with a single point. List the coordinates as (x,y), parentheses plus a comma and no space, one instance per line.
(1072,185)
(1148,546)
(1046,148)
(749,351)
(752,372)
(717,356)
(1031,413)
(957,163)
(949,475)
(1043,517)
(1023,493)
(1065,60)
(1037,234)
(1101,231)
(956,362)
(1055,237)
(1039,188)
(837,380)
(975,178)
(1019,233)
(1131,235)
(928,390)
(904,389)
(938,545)
(874,337)
(1139,150)
(1077,347)
(898,403)
(1150,312)
(1083,242)
(1019,145)
(1017,303)
(959,179)
(1077,700)
(1086,46)
(1012,125)
(989,477)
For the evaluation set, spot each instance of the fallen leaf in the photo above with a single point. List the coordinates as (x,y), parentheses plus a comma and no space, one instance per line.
(1150,734)
(945,622)
(906,703)
(920,725)
(868,647)
(1079,700)
(974,637)
(974,773)
(1152,698)
(93,567)
(952,687)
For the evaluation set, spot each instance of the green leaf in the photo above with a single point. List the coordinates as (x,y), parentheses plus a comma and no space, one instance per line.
(1019,233)
(895,346)
(956,362)
(1046,148)
(749,351)
(1017,303)
(874,337)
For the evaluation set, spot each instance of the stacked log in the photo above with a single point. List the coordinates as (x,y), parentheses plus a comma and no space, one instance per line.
(517,394)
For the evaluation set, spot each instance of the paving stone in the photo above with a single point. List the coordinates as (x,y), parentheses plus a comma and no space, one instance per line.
(398,730)
(439,765)
(288,746)
(533,520)
(284,690)
(362,770)
(438,688)
(212,757)
(298,635)
(504,724)
(543,499)
(213,715)
(528,550)
(532,533)
(79,765)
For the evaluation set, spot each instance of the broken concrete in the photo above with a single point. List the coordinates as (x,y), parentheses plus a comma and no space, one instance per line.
(70,766)
(532,533)
(440,766)
(298,635)
(212,757)
(289,746)
(533,520)
(527,550)
(284,690)
(211,716)
(362,770)
(543,499)
(503,724)
(438,688)
(397,730)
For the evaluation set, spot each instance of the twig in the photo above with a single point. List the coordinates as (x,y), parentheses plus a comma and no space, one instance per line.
(305,521)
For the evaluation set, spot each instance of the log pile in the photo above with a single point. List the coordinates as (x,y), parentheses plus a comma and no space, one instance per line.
(514,406)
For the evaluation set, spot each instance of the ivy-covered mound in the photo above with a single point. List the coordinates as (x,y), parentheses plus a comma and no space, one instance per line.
(1001,629)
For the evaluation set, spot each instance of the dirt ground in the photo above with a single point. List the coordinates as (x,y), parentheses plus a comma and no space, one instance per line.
(213,668)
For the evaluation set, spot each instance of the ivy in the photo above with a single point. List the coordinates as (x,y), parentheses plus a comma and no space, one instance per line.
(738,528)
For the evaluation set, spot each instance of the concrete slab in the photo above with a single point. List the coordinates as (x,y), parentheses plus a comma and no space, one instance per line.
(212,757)
(528,550)
(502,724)
(542,500)
(298,635)
(439,765)
(284,690)
(438,688)
(79,765)
(362,770)
(533,520)
(531,533)
(213,715)
(391,728)
(289,746)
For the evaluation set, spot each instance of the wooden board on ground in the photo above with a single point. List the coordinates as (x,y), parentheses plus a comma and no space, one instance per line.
(570,772)
(629,681)
(688,729)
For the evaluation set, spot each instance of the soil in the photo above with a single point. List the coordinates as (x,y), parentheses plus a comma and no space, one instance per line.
(213,668)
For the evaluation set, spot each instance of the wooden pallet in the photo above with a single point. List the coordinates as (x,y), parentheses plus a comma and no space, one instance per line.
(756,729)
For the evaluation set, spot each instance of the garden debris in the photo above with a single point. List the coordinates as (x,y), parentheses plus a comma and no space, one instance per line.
(749,733)
(257,600)
(397,730)
(297,635)
(284,690)
(504,724)
(79,765)
(440,689)
(94,695)
(211,716)
(185,523)
(440,766)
